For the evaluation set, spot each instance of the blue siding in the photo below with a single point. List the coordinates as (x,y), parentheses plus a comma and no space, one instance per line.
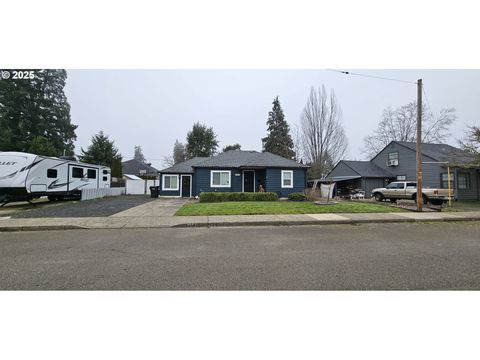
(407,165)
(274,178)
(271,178)
(472,193)
(202,183)
(168,193)
(342,170)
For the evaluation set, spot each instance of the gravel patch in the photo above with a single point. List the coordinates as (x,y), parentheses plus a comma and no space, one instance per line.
(89,208)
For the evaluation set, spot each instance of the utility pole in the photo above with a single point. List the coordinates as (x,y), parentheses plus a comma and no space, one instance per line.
(419,147)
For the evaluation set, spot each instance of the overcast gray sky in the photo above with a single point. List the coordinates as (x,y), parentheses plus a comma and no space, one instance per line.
(153,108)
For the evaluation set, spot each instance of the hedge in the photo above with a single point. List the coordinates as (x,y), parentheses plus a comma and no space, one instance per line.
(298,196)
(237,196)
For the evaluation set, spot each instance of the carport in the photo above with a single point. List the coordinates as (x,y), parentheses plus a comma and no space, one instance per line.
(343,184)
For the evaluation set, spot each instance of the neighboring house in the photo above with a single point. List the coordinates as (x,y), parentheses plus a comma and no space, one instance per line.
(138,168)
(234,171)
(397,161)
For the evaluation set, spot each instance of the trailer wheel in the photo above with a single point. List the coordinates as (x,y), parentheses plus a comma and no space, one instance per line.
(52,198)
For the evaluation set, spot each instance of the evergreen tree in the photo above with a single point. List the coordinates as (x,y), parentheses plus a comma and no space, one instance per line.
(35,114)
(232,147)
(278,140)
(178,152)
(102,151)
(201,141)
(138,154)
(117,167)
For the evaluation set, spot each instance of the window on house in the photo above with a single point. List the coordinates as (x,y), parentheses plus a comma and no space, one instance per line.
(463,181)
(170,182)
(51,173)
(444,180)
(401,177)
(287,178)
(220,178)
(91,174)
(77,172)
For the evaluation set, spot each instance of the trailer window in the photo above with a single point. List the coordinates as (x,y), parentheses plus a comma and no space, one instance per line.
(105,178)
(91,174)
(51,173)
(105,172)
(77,172)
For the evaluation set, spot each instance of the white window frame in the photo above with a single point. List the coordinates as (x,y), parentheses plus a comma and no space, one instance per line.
(221,171)
(291,178)
(163,182)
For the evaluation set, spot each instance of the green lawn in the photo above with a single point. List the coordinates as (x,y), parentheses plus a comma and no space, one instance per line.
(280,207)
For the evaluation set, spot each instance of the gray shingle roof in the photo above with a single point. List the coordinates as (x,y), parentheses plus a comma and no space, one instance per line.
(366,169)
(442,152)
(184,167)
(133,167)
(243,159)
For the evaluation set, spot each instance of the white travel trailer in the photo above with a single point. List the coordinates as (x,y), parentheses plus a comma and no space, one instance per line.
(26,176)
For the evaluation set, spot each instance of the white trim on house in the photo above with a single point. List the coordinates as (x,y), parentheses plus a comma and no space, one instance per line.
(221,171)
(181,186)
(291,179)
(163,183)
(243,180)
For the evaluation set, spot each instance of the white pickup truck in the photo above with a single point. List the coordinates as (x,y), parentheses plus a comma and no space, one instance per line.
(408,190)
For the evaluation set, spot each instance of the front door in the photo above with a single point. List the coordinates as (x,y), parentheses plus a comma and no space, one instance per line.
(186,182)
(248,181)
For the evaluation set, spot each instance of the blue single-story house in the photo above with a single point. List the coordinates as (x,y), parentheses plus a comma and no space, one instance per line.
(234,171)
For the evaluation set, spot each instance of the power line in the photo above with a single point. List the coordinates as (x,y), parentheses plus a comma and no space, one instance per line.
(372,76)
(426,99)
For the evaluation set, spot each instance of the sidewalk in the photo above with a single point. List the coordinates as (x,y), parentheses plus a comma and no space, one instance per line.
(135,222)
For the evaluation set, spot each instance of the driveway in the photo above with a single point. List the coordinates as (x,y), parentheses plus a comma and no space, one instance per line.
(157,207)
(89,208)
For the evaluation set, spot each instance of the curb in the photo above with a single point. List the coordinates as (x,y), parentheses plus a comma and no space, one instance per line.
(237,224)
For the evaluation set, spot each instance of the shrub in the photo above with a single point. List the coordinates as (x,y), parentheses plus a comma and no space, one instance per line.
(206,197)
(297,196)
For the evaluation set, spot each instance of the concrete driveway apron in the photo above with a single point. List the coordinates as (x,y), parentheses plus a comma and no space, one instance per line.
(159,207)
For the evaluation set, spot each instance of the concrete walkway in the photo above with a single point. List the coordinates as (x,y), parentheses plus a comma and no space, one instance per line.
(143,221)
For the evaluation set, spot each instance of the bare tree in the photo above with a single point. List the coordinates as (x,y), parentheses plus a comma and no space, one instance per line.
(178,152)
(297,142)
(168,161)
(471,141)
(400,125)
(323,139)
(138,154)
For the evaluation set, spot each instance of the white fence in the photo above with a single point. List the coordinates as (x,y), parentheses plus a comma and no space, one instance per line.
(139,187)
(89,194)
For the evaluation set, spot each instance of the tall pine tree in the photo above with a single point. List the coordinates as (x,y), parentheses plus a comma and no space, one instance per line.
(278,140)
(102,151)
(35,114)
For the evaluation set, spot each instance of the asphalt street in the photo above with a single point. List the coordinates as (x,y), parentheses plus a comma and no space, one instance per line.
(409,256)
